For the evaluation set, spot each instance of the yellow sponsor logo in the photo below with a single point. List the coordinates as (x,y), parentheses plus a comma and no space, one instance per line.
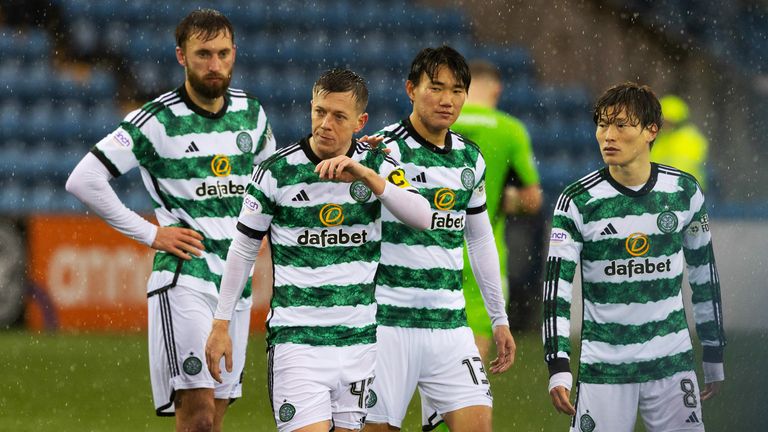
(331,215)
(220,166)
(637,244)
(445,199)
(397,178)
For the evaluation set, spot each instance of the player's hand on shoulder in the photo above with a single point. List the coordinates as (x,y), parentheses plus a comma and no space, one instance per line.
(375,142)
(505,349)
(179,241)
(218,345)
(341,168)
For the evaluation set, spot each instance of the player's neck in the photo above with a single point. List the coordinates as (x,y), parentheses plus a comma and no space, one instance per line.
(635,173)
(210,105)
(435,137)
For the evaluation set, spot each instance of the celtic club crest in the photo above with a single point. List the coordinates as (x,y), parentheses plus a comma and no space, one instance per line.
(667,222)
(244,142)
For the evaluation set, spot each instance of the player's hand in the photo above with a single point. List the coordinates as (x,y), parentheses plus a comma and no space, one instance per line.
(341,168)
(561,400)
(179,241)
(711,390)
(219,344)
(374,142)
(505,349)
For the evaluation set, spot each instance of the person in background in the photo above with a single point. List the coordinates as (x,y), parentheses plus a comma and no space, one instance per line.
(513,199)
(680,144)
(196,147)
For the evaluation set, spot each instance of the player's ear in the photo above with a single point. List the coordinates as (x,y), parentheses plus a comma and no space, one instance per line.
(410,89)
(653,130)
(362,119)
(180,57)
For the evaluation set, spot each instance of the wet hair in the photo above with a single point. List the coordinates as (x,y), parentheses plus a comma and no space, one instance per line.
(339,80)
(205,24)
(639,101)
(429,61)
(484,68)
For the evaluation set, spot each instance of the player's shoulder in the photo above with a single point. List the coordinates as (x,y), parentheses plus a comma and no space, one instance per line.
(139,117)
(580,188)
(687,181)
(275,160)
(465,140)
(234,93)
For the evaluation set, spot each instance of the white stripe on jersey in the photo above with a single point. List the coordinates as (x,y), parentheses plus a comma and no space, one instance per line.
(349,316)
(420,257)
(657,347)
(700,274)
(334,274)
(633,313)
(703,312)
(419,298)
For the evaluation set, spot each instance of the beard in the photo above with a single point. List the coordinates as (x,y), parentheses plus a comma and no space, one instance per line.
(207,89)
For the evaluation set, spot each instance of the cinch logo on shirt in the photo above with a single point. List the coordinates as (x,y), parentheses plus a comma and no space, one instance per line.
(220,189)
(331,215)
(445,199)
(446,221)
(637,244)
(220,166)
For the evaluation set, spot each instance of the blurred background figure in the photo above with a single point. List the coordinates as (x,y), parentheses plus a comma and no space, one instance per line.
(512,192)
(680,143)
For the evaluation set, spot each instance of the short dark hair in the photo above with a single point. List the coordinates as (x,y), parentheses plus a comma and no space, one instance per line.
(339,80)
(640,102)
(429,61)
(484,68)
(204,23)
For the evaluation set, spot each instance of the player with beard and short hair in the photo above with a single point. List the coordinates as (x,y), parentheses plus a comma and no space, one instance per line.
(195,147)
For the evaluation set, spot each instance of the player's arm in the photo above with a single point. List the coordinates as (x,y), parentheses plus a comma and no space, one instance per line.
(391,188)
(252,225)
(89,182)
(564,253)
(706,299)
(483,258)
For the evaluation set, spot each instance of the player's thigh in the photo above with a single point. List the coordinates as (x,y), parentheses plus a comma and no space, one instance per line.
(351,398)
(452,375)
(606,407)
(300,381)
(397,372)
(671,404)
(179,323)
(477,418)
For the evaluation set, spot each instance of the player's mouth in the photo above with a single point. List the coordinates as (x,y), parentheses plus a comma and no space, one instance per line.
(445,114)
(610,150)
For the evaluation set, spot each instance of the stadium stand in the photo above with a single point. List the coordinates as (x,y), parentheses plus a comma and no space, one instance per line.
(127,51)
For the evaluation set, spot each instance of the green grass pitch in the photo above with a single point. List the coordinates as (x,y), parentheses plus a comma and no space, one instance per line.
(99,382)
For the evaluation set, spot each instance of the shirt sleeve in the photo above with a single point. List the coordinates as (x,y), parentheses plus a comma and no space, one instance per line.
(484,260)
(118,150)
(477,199)
(565,246)
(704,281)
(267,145)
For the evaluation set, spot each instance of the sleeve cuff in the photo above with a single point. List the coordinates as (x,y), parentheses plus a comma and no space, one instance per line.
(563,379)
(713,372)
(712,354)
(559,365)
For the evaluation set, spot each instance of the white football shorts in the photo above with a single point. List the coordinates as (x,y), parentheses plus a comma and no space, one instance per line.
(443,363)
(669,404)
(179,323)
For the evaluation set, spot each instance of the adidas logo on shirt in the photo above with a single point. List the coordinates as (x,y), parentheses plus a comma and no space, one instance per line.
(421,178)
(301,196)
(693,418)
(192,148)
(609,230)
